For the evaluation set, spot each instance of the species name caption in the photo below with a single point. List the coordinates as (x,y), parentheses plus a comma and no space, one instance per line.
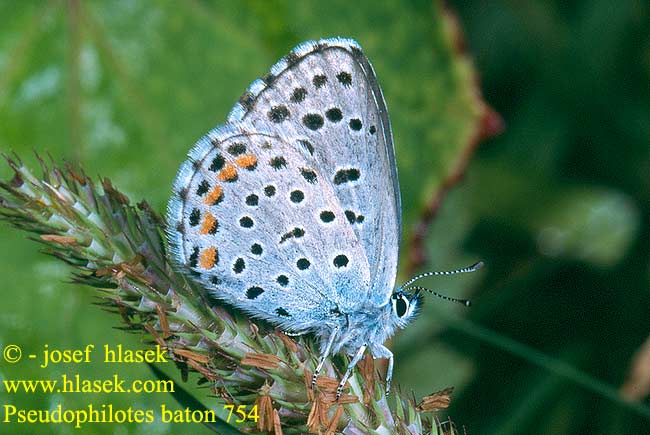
(49,358)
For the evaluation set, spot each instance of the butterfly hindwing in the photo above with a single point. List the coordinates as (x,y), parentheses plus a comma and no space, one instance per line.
(256,222)
(326,95)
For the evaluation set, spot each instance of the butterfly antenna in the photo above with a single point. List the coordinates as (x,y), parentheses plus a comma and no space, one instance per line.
(473,268)
(418,289)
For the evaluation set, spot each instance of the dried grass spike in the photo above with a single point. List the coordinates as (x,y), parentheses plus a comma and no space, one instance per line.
(265,409)
(436,401)
(261,360)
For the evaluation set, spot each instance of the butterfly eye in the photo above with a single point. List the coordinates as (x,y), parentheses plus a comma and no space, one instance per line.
(400,305)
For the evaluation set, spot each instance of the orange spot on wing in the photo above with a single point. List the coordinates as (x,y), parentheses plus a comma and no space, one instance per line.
(208,257)
(214,196)
(228,173)
(247,161)
(209,223)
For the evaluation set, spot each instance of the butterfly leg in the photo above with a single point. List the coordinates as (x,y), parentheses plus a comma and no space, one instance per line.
(326,352)
(384,352)
(348,372)
(293,334)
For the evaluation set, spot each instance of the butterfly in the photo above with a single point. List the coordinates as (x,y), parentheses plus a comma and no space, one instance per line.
(290,211)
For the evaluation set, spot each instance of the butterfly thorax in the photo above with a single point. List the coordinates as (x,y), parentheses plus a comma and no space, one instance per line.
(372,325)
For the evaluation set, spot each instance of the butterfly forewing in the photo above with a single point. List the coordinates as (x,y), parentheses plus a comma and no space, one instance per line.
(257,223)
(324,98)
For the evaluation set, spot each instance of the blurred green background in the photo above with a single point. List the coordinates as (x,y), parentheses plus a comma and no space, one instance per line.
(558,206)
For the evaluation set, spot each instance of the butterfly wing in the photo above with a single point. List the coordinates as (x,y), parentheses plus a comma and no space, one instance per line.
(255,221)
(326,93)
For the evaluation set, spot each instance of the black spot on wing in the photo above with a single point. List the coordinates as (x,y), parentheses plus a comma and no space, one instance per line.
(353,217)
(246,222)
(278,114)
(334,114)
(237,149)
(217,163)
(326,216)
(213,227)
(319,80)
(283,280)
(340,261)
(252,200)
(297,196)
(355,124)
(345,78)
(204,186)
(298,95)
(195,217)
(346,175)
(308,174)
(303,264)
(254,292)
(278,162)
(313,121)
(269,190)
(239,265)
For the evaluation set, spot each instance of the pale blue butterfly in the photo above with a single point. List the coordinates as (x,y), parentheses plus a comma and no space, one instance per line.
(291,210)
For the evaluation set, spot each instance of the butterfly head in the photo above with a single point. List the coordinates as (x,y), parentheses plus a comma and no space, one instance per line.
(406,300)
(405,306)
